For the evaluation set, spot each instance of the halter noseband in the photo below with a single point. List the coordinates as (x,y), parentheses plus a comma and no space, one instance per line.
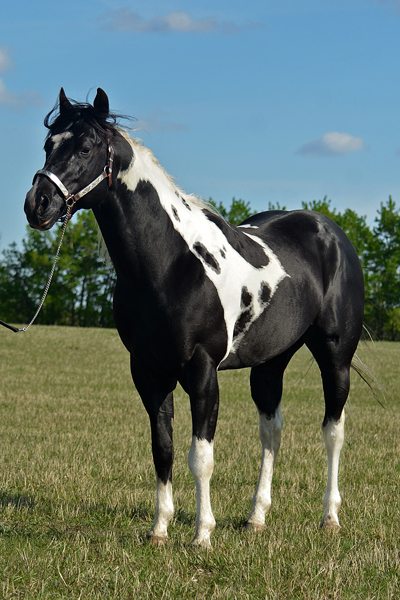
(71,199)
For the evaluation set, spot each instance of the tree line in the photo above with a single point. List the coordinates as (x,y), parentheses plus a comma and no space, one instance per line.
(83,284)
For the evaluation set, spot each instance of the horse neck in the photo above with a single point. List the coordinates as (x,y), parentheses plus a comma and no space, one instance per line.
(136,219)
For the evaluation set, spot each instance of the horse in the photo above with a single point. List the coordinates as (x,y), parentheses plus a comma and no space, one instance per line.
(196,295)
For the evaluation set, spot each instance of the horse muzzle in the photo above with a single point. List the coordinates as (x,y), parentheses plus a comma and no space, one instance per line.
(42,209)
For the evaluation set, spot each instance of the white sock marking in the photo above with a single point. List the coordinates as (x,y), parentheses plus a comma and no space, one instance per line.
(164,510)
(333,437)
(201,464)
(270,437)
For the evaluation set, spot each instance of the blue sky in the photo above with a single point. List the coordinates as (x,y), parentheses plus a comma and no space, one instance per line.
(278,101)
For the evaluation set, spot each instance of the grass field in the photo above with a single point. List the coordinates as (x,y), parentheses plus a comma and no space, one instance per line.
(77,484)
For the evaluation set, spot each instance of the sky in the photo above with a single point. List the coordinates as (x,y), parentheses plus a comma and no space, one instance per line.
(270,101)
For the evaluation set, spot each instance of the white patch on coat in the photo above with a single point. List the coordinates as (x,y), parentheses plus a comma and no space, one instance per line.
(234,272)
(59,138)
(201,464)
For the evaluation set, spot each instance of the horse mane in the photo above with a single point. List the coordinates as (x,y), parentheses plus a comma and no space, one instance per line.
(138,146)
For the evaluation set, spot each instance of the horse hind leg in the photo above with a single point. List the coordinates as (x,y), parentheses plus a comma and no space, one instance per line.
(266,388)
(270,438)
(333,432)
(333,355)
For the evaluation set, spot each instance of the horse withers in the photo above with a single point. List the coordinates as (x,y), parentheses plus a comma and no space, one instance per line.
(195,295)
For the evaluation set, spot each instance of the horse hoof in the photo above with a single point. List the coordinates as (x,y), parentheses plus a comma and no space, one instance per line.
(156,540)
(248,526)
(201,544)
(330,522)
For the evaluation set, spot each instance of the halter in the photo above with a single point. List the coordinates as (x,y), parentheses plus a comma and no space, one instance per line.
(71,199)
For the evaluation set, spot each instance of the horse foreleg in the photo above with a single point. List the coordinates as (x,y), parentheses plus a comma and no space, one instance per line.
(270,437)
(157,396)
(201,464)
(333,432)
(202,386)
(161,421)
(158,534)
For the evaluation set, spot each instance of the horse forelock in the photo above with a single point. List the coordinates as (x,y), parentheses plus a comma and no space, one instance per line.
(102,122)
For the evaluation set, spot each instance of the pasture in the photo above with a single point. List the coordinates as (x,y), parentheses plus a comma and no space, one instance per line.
(77,482)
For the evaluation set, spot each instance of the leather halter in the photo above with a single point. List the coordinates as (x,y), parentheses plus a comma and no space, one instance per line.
(71,199)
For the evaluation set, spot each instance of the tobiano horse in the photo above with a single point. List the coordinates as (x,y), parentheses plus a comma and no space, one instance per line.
(195,295)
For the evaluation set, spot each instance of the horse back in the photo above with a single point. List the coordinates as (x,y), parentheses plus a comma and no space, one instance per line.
(313,239)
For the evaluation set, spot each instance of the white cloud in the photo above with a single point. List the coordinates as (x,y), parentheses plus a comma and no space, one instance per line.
(179,22)
(158,120)
(18,101)
(10,99)
(332,144)
(5,61)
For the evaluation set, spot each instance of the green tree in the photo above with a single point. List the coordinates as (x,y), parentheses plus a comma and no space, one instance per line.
(82,287)
(382,273)
(379,252)
(237,213)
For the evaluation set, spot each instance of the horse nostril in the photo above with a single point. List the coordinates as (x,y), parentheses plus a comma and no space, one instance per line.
(44,203)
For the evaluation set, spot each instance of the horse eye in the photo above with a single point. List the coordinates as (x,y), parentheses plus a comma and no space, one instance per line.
(85,150)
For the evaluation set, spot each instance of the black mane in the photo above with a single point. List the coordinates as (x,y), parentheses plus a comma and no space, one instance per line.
(56,121)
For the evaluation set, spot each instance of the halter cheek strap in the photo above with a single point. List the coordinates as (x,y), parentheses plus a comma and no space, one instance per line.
(71,199)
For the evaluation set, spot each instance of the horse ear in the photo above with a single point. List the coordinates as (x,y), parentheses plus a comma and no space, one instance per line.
(65,104)
(101,103)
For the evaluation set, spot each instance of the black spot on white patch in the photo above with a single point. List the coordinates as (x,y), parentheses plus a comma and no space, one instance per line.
(207,257)
(264,295)
(246,298)
(247,312)
(175,212)
(245,317)
(222,253)
(242,322)
(247,247)
(185,203)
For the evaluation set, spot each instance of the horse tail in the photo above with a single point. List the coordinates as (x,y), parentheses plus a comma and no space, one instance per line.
(375,386)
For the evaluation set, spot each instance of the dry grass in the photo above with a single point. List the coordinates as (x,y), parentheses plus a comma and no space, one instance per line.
(77,483)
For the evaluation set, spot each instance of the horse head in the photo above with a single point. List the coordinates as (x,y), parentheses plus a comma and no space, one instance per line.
(78,164)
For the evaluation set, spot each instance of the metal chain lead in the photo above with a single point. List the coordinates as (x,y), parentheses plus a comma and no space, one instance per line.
(46,289)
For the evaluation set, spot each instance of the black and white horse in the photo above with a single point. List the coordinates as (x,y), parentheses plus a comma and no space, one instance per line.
(195,295)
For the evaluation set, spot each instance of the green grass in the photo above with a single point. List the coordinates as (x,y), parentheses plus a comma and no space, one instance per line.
(77,484)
